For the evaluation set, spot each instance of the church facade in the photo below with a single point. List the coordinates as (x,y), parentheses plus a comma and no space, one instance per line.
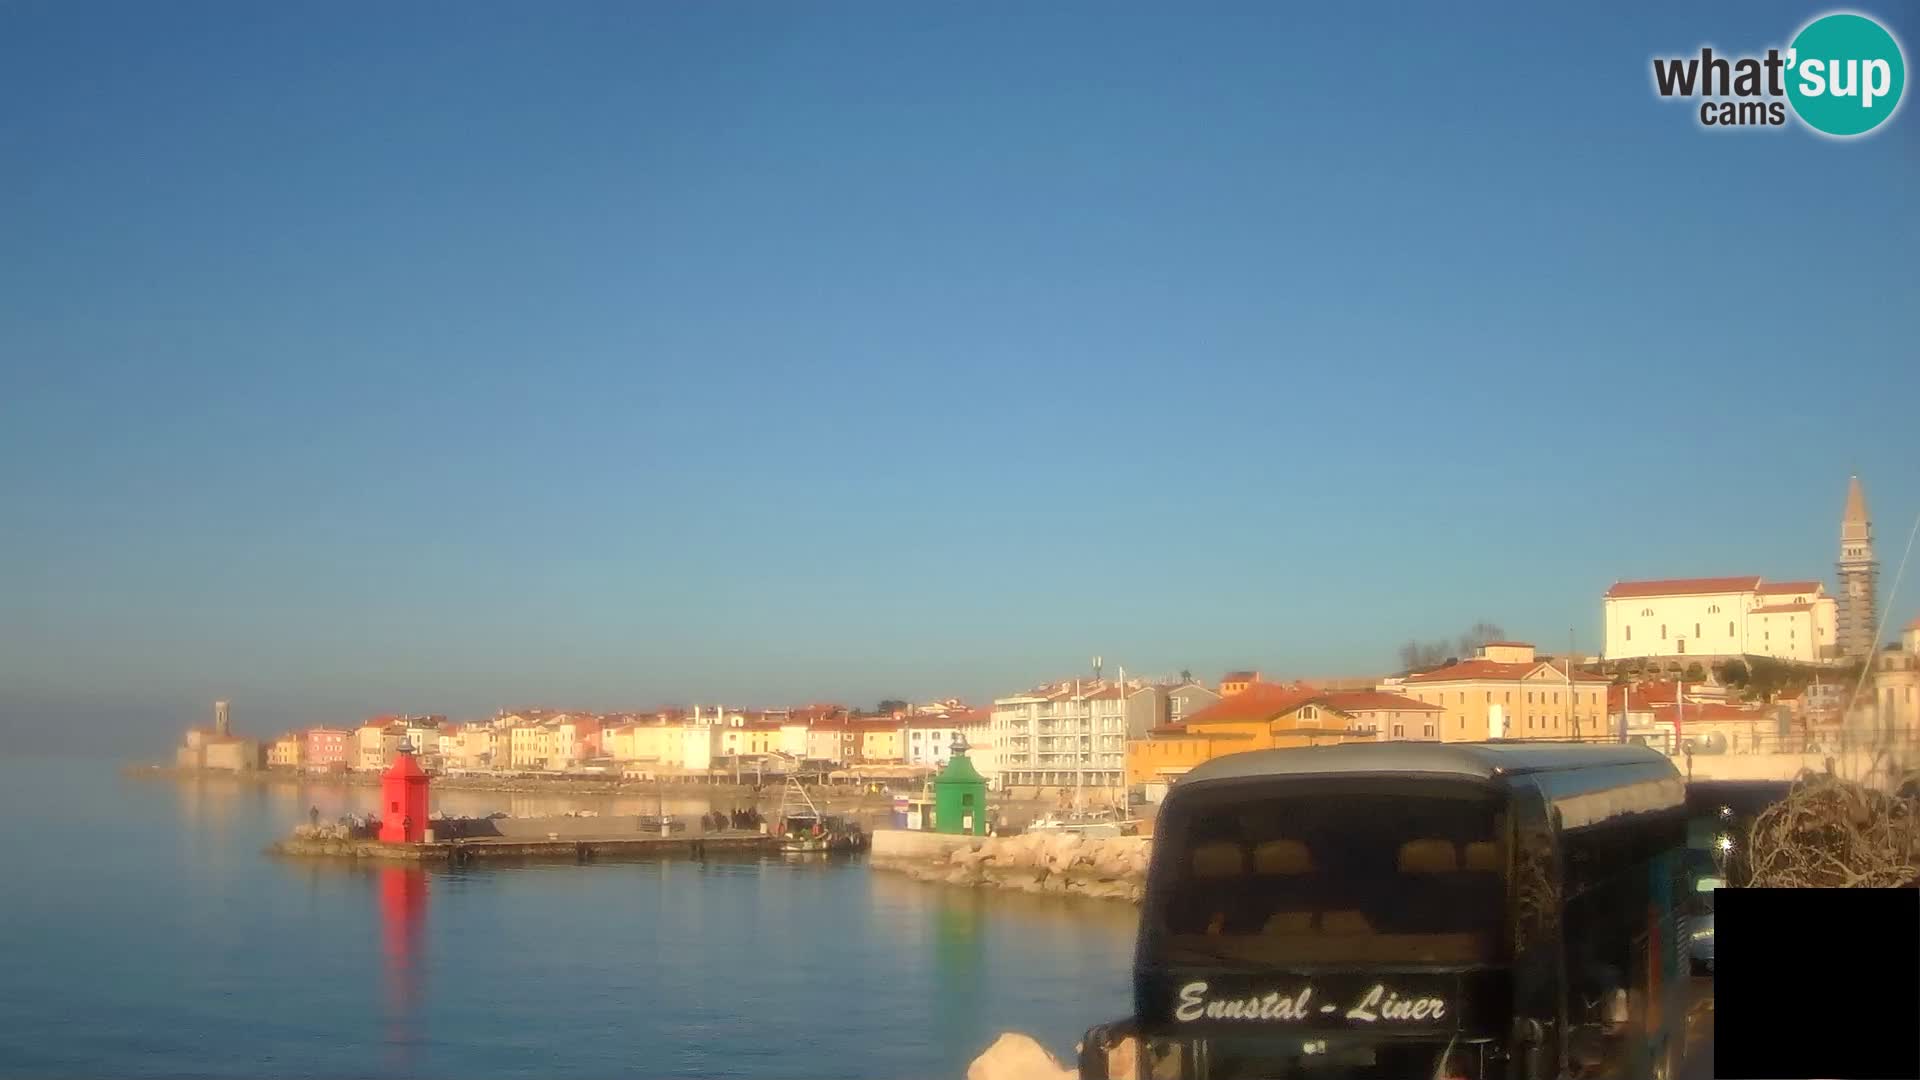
(1723,617)
(1713,618)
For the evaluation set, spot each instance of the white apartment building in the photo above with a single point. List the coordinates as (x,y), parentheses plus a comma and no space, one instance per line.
(1716,617)
(1068,736)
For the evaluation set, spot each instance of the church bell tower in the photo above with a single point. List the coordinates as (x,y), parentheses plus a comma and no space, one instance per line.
(1859,577)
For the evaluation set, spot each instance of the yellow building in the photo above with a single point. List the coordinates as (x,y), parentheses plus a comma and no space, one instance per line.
(1261,717)
(1507,693)
(530,746)
(289,751)
(880,740)
(376,743)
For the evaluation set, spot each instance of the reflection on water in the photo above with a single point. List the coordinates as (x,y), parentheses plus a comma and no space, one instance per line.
(403,908)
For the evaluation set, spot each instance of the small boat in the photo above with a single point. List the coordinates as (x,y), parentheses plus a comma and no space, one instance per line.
(802,829)
(1087,823)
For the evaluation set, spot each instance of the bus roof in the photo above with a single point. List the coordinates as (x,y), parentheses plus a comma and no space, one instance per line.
(1472,761)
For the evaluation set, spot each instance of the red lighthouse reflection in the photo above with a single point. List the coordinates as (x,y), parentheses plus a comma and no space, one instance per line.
(403,909)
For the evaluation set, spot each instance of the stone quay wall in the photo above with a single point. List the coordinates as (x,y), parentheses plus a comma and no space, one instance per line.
(1058,864)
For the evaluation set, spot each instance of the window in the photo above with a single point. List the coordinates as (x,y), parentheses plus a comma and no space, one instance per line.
(1696,629)
(1629,633)
(1647,612)
(1429,731)
(1399,731)
(1489,695)
(1729,628)
(1529,697)
(1663,631)
(1714,610)
(1556,697)
(1463,697)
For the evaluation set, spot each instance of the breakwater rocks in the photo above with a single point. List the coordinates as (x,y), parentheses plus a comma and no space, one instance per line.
(339,847)
(1059,864)
(1014,1056)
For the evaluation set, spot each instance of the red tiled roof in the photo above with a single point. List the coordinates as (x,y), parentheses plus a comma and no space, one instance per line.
(1706,714)
(1497,671)
(1789,587)
(1779,609)
(1261,701)
(1373,700)
(1683,586)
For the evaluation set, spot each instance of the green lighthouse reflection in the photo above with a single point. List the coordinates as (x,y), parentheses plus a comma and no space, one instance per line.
(960,972)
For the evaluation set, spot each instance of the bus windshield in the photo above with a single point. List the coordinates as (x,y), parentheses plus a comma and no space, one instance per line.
(1312,879)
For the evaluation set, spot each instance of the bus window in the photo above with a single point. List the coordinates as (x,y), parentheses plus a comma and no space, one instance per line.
(1361,878)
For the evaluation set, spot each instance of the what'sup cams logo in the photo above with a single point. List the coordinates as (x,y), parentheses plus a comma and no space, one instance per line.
(1842,76)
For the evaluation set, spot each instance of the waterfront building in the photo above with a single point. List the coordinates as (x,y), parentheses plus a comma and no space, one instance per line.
(574,738)
(222,719)
(1859,577)
(1156,705)
(477,746)
(1682,620)
(231,753)
(531,745)
(1385,717)
(329,749)
(1266,716)
(929,739)
(880,740)
(1506,692)
(288,751)
(422,732)
(829,739)
(446,745)
(1070,736)
(377,741)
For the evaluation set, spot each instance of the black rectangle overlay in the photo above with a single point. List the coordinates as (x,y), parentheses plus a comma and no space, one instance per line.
(1817,984)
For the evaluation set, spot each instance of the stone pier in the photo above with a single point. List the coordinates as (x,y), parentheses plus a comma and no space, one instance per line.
(1059,864)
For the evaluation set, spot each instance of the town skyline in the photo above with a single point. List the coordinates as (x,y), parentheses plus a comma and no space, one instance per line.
(1750,591)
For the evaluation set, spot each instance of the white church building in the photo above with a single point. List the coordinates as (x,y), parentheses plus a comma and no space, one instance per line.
(1721,617)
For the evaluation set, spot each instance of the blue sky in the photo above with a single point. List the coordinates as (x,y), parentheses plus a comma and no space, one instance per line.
(605,354)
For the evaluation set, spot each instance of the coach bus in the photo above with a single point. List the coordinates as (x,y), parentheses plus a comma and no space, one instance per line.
(1435,910)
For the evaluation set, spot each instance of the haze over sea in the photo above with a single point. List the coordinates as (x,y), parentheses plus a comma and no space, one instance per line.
(146,935)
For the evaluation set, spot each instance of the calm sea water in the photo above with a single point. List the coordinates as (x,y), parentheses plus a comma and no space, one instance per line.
(143,933)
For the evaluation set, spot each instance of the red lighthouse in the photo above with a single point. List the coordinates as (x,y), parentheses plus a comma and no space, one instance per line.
(403,801)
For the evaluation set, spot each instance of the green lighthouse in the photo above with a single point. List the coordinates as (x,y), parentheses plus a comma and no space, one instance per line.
(960,795)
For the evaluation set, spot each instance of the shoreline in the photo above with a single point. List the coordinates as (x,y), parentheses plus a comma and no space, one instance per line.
(829,797)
